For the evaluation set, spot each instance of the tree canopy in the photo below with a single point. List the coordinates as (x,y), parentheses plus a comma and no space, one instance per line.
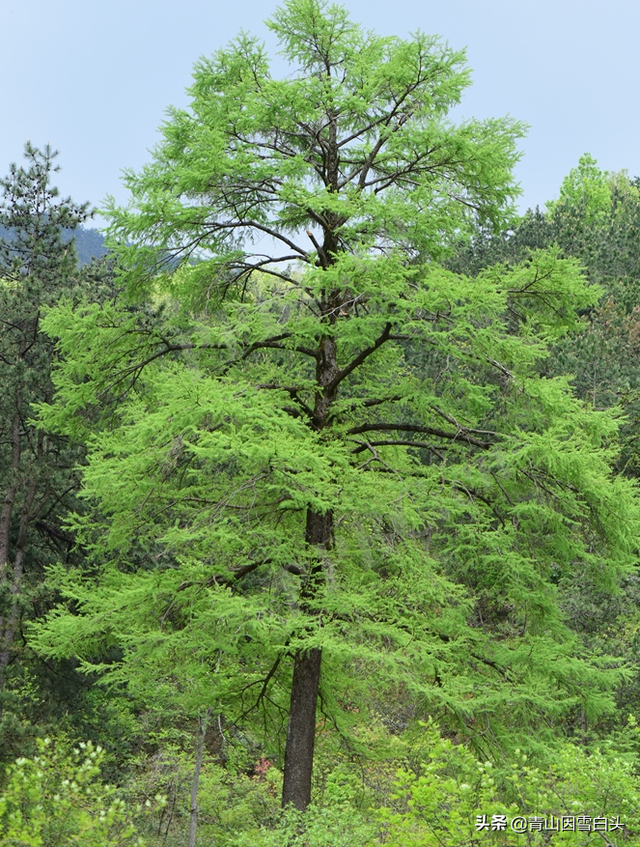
(37,265)
(328,479)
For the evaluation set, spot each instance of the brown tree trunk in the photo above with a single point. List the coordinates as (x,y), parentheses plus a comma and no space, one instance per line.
(9,625)
(301,729)
(9,582)
(10,493)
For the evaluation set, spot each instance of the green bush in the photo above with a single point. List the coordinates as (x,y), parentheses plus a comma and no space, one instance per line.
(56,799)
(452,794)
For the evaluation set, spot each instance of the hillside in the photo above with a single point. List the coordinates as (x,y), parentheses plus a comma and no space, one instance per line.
(89,243)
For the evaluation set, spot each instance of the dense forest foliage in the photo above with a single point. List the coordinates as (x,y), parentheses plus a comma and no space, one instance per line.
(319,508)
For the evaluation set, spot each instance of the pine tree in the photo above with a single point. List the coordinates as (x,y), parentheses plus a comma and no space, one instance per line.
(37,264)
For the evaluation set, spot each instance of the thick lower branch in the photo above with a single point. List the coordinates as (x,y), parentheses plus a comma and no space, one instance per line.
(343,373)
(459,435)
(395,442)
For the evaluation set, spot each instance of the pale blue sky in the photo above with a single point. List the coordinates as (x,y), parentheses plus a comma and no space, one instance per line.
(93,78)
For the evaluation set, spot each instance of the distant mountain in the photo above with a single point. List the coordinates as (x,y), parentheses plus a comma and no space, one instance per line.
(89,243)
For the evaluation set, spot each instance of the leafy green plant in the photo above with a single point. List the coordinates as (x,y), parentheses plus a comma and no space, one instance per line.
(334,470)
(454,800)
(56,799)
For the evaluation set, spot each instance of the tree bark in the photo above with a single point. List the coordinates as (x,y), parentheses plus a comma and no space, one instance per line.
(301,731)
(9,625)
(10,584)
(12,488)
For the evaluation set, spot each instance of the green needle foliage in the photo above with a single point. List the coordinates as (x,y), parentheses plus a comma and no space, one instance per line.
(327,468)
(37,477)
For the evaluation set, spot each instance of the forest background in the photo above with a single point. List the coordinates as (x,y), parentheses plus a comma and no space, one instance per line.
(320,488)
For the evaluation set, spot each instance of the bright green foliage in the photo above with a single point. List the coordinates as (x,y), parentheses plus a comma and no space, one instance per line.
(585,186)
(432,793)
(534,231)
(439,805)
(234,800)
(601,358)
(455,549)
(57,799)
(353,385)
(596,221)
(356,142)
(339,825)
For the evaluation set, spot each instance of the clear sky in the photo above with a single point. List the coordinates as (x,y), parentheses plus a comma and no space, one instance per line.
(93,77)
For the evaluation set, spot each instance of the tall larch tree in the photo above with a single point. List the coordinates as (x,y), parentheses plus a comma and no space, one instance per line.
(326,460)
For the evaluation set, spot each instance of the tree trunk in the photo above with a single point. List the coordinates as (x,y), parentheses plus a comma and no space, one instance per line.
(301,731)
(9,624)
(9,583)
